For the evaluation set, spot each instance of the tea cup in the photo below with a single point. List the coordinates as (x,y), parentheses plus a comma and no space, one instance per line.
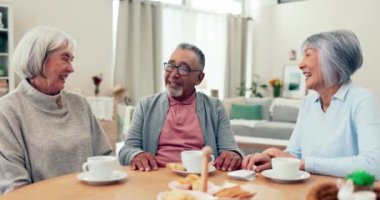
(192,160)
(100,167)
(286,167)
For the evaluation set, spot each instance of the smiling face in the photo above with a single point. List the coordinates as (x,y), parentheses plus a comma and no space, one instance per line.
(58,66)
(182,86)
(311,69)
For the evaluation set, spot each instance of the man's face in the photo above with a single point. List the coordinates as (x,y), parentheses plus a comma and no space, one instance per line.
(182,86)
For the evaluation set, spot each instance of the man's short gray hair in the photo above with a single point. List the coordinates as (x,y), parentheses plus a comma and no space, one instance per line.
(29,57)
(339,53)
(196,50)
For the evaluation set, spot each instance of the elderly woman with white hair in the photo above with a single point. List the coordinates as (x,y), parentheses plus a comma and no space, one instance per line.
(45,131)
(337,130)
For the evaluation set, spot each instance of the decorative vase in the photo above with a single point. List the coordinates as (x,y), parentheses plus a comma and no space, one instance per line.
(276,91)
(97,90)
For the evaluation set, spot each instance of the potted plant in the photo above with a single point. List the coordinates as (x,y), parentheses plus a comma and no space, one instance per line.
(276,84)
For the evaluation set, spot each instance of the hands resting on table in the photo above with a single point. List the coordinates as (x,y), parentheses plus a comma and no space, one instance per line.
(262,161)
(226,161)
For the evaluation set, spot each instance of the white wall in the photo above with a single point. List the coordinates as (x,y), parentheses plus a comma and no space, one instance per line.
(279,28)
(89,22)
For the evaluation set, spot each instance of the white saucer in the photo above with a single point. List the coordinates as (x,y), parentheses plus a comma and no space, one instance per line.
(302,175)
(116,176)
(211,169)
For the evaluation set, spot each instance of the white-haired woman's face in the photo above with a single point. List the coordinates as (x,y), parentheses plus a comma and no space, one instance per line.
(58,67)
(311,69)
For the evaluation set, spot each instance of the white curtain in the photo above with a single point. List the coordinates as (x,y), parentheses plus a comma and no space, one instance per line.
(138,48)
(205,30)
(236,54)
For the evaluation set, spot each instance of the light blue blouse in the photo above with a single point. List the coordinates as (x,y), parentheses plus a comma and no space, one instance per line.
(344,138)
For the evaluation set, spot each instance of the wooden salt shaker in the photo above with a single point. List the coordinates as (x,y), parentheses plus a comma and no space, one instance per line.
(207,151)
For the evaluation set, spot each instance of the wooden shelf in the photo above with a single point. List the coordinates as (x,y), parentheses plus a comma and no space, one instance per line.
(6,45)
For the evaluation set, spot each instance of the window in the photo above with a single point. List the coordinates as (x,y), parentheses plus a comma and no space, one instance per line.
(220,6)
(287,1)
(217,6)
(175,2)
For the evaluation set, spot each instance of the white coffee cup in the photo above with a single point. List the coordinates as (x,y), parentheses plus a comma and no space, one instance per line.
(192,160)
(100,167)
(286,167)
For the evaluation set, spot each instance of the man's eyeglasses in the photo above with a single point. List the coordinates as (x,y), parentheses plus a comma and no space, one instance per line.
(182,69)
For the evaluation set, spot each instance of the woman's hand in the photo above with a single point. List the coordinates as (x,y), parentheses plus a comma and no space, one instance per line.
(257,162)
(262,161)
(274,152)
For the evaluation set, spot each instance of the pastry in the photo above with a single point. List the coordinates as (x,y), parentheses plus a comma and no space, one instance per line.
(177,166)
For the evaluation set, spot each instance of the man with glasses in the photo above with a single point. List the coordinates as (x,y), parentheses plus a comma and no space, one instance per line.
(180,119)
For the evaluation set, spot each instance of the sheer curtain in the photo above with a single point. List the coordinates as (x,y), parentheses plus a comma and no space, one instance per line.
(138,48)
(205,30)
(236,59)
(149,32)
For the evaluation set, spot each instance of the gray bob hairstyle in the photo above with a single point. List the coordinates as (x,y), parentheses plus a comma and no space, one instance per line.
(339,53)
(31,53)
(196,50)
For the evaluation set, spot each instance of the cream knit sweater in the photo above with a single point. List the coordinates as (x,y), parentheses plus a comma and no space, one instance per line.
(41,137)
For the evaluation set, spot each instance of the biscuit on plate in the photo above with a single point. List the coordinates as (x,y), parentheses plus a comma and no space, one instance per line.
(177,166)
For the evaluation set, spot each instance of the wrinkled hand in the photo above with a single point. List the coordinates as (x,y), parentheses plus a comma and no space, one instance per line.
(228,161)
(257,162)
(274,152)
(144,162)
(262,161)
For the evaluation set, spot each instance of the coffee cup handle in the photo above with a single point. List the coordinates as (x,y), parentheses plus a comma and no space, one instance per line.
(212,158)
(85,167)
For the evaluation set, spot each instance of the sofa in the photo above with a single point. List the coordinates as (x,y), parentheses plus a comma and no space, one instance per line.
(259,123)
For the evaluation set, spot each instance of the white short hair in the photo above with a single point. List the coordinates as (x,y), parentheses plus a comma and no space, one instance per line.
(30,55)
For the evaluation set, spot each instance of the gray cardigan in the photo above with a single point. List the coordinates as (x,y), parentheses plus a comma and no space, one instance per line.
(149,117)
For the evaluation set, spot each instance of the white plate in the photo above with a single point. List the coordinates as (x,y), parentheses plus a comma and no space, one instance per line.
(211,169)
(302,175)
(174,185)
(196,194)
(116,176)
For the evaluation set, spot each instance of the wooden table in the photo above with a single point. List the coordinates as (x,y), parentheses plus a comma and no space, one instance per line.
(146,186)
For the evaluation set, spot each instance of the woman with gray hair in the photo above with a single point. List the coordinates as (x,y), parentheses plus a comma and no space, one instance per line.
(337,130)
(45,131)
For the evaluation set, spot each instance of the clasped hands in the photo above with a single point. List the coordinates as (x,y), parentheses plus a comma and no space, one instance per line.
(226,161)
(262,161)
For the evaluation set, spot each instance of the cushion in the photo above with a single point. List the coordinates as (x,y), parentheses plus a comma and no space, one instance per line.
(265,104)
(240,111)
(227,103)
(285,114)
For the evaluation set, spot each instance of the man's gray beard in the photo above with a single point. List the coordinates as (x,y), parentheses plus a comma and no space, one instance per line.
(174,92)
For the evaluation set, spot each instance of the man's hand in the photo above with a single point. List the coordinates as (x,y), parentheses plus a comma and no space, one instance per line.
(144,162)
(228,161)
